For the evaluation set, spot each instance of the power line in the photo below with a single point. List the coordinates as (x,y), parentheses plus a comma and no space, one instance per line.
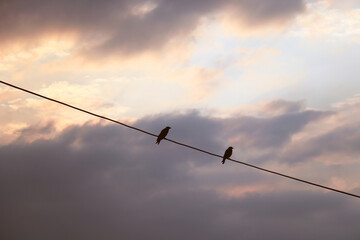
(179,143)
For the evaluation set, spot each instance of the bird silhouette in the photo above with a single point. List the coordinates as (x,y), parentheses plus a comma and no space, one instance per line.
(162,134)
(227,154)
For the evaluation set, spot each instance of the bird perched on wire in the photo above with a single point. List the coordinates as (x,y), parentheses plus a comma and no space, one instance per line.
(162,134)
(227,154)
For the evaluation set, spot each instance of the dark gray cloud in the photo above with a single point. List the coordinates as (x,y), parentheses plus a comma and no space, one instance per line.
(281,106)
(341,143)
(111,26)
(36,131)
(273,131)
(109,182)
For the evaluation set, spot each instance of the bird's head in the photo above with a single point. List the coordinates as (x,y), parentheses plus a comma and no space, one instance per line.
(168,127)
(231,147)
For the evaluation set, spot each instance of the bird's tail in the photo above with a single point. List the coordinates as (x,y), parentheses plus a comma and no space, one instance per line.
(223,161)
(157,142)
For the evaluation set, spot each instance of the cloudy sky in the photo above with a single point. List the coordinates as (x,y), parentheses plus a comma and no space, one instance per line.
(275,79)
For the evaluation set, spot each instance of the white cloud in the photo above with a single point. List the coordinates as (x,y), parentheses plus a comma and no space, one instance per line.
(325,23)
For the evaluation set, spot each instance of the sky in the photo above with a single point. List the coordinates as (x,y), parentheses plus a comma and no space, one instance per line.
(275,79)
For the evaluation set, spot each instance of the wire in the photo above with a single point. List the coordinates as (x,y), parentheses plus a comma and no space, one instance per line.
(182,144)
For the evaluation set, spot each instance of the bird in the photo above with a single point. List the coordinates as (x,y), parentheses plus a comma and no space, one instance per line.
(227,154)
(162,134)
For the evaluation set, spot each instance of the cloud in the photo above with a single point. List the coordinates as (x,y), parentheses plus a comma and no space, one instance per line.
(333,140)
(272,132)
(339,145)
(335,21)
(104,181)
(107,27)
(36,131)
(259,12)
(281,107)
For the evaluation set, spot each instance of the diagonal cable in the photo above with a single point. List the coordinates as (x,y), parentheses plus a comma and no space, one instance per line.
(182,144)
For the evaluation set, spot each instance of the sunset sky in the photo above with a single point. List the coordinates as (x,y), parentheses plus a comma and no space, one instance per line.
(276,79)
